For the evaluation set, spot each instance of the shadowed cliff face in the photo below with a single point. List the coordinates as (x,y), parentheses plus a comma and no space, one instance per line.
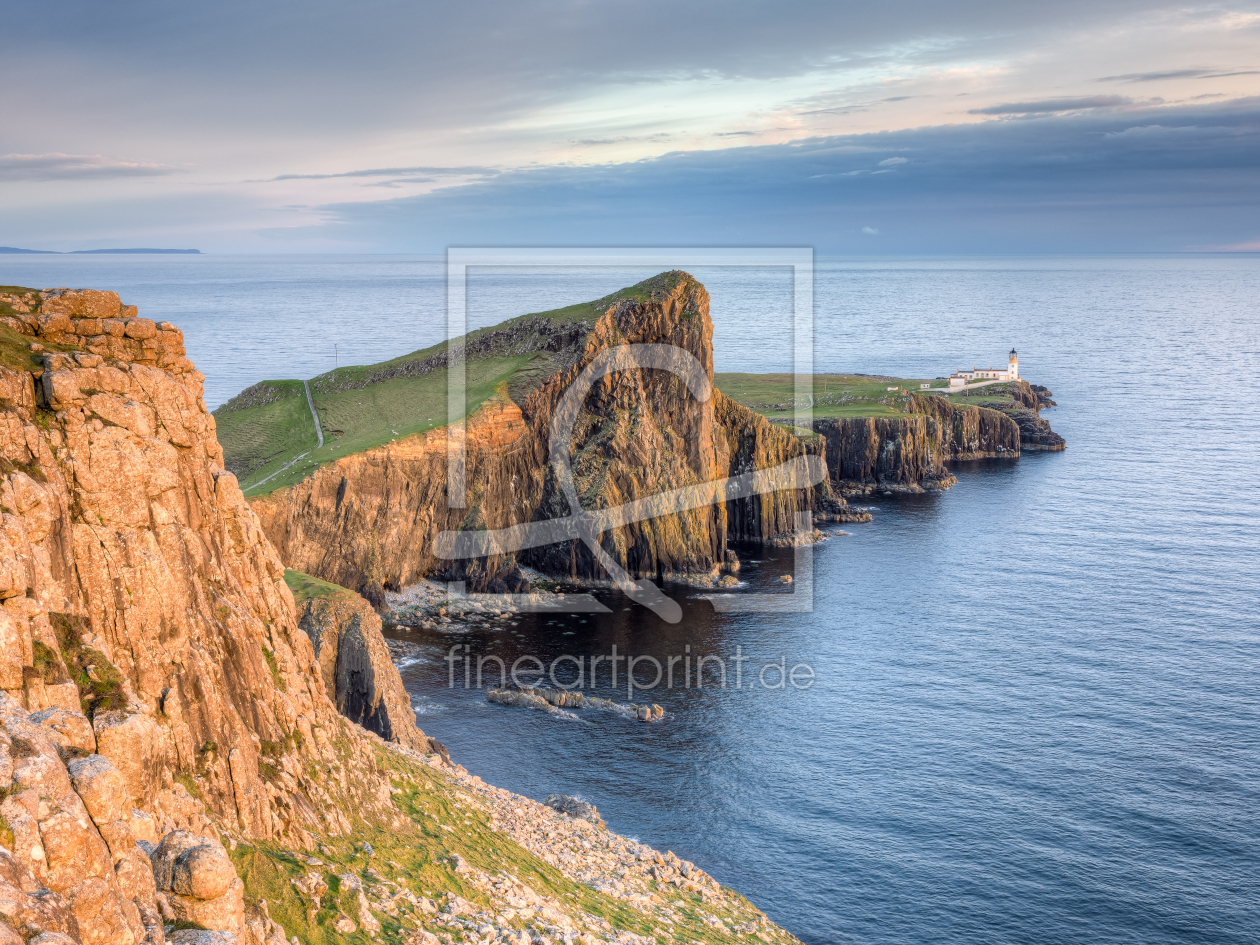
(369,521)
(1025,409)
(355,666)
(909,453)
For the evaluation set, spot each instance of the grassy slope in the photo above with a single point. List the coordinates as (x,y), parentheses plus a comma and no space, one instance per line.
(259,441)
(835,395)
(305,587)
(15,348)
(270,433)
(417,856)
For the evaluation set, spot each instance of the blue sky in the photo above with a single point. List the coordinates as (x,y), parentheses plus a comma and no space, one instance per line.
(396,127)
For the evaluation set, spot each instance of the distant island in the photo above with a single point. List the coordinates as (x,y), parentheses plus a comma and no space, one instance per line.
(94,252)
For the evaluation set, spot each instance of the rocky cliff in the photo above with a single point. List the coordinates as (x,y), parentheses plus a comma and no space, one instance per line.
(354,662)
(1024,407)
(909,453)
(151,665)
(170,758)
(369,521)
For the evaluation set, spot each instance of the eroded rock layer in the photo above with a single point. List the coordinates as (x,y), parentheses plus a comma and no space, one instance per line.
(356,669)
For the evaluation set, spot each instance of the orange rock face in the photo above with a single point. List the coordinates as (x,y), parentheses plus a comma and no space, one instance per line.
(146,635)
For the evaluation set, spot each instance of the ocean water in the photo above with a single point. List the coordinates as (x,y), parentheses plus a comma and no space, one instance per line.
(1035,714)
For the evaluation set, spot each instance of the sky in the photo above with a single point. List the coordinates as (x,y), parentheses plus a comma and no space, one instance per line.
(901,127)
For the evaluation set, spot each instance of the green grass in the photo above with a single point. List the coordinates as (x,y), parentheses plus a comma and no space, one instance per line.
(305,587)
(835,395)
(422,850)
(99,682)
(16,353)
(261,437)
(359,419)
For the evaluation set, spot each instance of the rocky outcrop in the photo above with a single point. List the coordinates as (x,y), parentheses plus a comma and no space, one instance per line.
(1025,409)
(566,804)
(151,664)
(369,521)
(908,454)
(199,882)
(356,669)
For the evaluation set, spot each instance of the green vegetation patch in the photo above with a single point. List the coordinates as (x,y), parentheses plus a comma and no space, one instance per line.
(441,821)
(305,587)
(16,353)
(834,395)
(30,298)
(99,682)
(263,425)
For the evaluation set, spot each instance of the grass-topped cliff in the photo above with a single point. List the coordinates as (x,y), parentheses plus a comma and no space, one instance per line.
(366,510)
(269,437)
(837,396)
(270,441)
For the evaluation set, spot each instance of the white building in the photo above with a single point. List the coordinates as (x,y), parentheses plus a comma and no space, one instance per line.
(963,378)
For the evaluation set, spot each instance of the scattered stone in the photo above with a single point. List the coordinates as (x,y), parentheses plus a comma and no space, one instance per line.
(573,807)
(344,924)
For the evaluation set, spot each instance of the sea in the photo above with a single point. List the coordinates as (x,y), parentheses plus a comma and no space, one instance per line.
(1026,710)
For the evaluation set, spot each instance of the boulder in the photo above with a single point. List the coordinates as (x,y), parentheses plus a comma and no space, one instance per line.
(203,872)
(574,808)
(199,882)
(69,729)
(345,925)
(136,745)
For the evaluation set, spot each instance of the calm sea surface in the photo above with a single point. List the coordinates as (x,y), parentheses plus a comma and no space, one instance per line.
(1036,714)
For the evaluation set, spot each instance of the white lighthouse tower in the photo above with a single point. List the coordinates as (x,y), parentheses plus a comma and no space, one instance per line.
(1012,370)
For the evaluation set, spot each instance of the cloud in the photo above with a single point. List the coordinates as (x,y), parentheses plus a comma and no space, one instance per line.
(893,161)
(1154,76)
(870,231)
(1074,182)
(37,167)
(1174,74)
(1250,246)
(1053,105)
(400,173)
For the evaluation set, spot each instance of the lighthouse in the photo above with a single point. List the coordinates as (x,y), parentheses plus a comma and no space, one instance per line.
(1012,370)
